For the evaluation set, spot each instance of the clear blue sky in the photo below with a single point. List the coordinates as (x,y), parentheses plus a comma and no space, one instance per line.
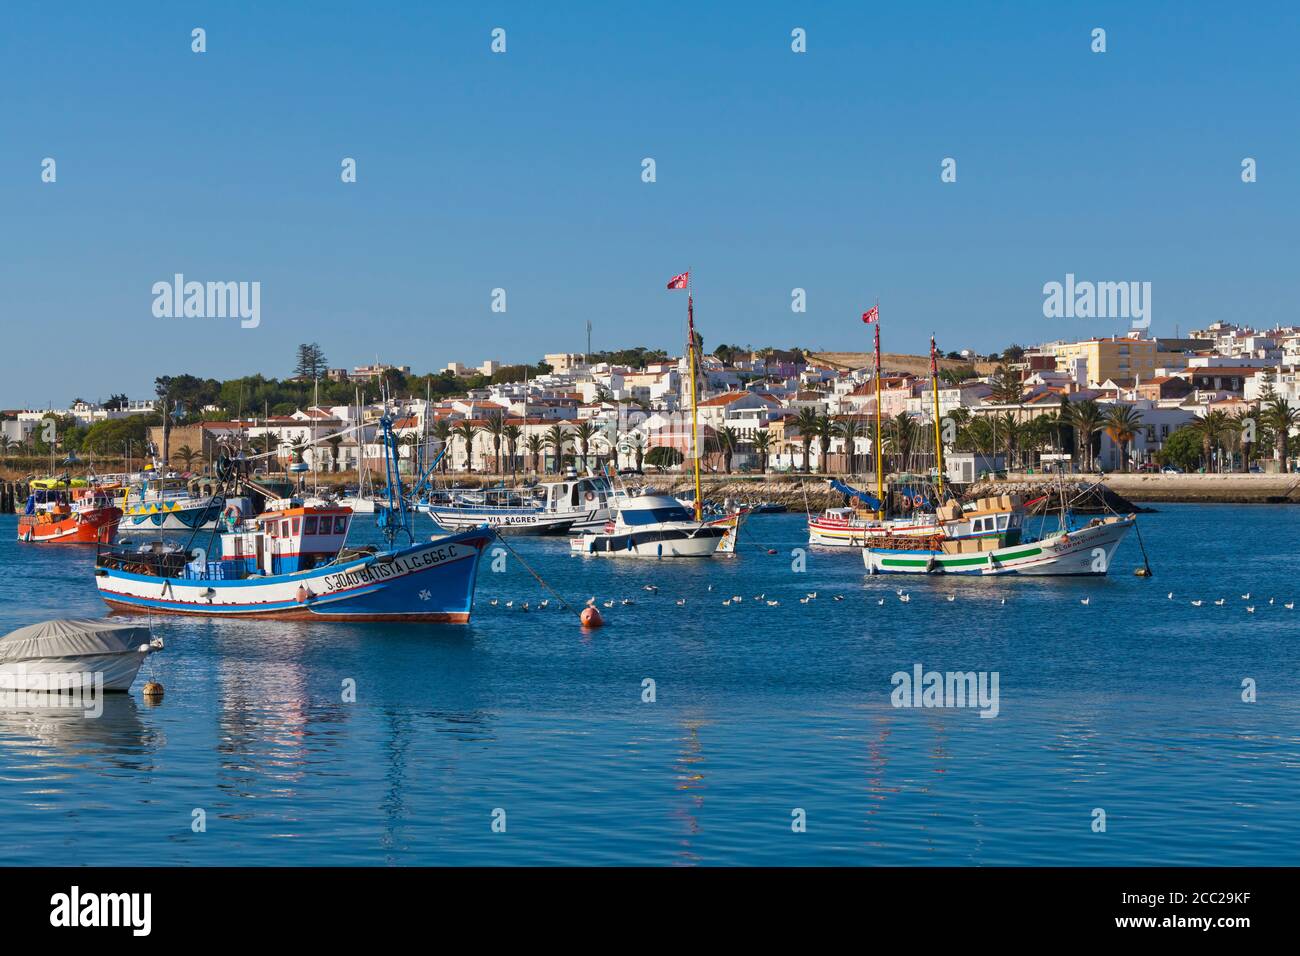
(523,171)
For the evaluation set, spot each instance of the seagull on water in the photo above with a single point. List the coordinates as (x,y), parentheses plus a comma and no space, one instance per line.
(905,598)
(609,603)
(727,603)
(1290,605)
(493,602)
(1197,603)
(682,602)
(1085,601)
(650,587)
(952,597)
(1246,596)
(1171,595)
(773,603)
(1219,602)
(1250,609)
(838,597)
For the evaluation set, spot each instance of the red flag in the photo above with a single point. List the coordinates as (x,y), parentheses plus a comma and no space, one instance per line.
(679,282)
(871,315)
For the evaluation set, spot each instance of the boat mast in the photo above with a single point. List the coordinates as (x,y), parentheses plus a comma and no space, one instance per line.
(880,476)
(934,388)
(695,448)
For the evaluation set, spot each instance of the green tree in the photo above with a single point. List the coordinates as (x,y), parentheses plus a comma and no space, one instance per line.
(1281,417)
(310,363)
(806,424)
(663,456)
(467,431)
(555,439)
(1122,423)
(535,445)
(762,442)
(728,442)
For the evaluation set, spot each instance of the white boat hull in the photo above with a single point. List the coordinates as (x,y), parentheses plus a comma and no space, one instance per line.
(702,543)
(117,672)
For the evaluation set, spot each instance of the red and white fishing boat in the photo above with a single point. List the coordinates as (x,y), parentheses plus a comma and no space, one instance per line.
(64,515)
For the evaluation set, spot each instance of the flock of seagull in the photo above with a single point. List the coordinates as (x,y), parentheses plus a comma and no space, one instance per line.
(1250,608)
(903,596)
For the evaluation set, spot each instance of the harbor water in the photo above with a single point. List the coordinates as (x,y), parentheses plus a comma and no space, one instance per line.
(699,733)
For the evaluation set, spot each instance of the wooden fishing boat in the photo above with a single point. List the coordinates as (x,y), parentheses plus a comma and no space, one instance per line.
(1085,550)
(74,513)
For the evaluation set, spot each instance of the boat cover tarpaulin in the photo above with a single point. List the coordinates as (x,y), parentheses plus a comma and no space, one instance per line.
(75,638)
(871,501)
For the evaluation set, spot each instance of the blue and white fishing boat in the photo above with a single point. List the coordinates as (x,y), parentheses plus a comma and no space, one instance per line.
(158,502)
(292,562)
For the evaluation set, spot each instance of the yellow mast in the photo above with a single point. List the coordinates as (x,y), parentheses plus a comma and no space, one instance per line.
(695,448)
(938,446)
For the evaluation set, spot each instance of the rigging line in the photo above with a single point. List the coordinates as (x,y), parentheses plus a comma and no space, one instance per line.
(538,577)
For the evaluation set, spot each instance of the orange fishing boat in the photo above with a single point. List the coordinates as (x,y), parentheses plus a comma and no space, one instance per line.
(68,515)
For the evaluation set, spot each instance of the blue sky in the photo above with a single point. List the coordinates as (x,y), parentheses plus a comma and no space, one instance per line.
(775,170)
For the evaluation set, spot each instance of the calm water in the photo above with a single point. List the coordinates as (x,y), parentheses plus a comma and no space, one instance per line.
(1131,704)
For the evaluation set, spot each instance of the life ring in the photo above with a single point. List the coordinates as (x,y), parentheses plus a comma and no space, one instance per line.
(591,496)
(918,501)
(233,514)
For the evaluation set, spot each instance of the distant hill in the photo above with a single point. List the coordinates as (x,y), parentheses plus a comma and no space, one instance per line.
(889,361)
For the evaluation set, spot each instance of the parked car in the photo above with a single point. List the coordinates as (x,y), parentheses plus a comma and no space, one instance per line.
(1171,470)
(1148,466)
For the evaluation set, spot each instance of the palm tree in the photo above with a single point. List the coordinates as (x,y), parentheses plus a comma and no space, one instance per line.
(806,423)
(851,429)
(466,431)
(1086,420)
(900,432)
(583,433)
(496,427)
(556,437)
(535,445)
(334,440)
(728,439)
(186,456)
(512,434)
(825,429)
(1281,418)
(637,442)
(1122,423)
(441,432)
(762,442)
(1245,433)
(1012,432)
(1211,429)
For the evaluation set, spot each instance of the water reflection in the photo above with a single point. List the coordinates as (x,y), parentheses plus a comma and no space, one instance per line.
(48,740)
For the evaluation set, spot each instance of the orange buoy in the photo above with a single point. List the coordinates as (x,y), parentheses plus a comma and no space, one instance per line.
(590,617)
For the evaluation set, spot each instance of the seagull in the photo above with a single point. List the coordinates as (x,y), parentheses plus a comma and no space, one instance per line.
(626,601)
(510,603)
(737,598)
(1246,596)
(1250,609)
(650,587)
(1219,602)
(761,597)
(682,602)
(952,597)
(905,598)
(710,587)
(881,601)
(591,601)
(1085,601)
(804,600)
(1197,603)
(773,603)
(812,595)
(1171,595)
(900,592)
(493,602)
(1290,605)
(1270,600)
(609,604)
(727,603)
(1004,600)
(838,597)
(524,606)
(542,604)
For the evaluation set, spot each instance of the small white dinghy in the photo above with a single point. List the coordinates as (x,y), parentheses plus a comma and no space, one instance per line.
(70,653)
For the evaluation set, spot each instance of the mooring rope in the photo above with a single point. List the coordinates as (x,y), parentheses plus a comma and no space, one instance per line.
(538,577)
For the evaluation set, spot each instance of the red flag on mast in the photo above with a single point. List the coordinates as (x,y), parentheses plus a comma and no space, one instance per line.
(871,315)
(679,281)
(934,364)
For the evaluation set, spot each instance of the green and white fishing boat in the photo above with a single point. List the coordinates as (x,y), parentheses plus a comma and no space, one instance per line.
(1083,550)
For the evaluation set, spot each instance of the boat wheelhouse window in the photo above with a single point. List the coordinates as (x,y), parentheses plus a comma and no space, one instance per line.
(297,525)
(1002,522)
(340,524)
(309,524)
(655,515)
(284,528)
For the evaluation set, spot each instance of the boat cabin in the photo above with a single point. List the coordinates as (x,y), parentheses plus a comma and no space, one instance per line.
(581,494)
(291,537)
